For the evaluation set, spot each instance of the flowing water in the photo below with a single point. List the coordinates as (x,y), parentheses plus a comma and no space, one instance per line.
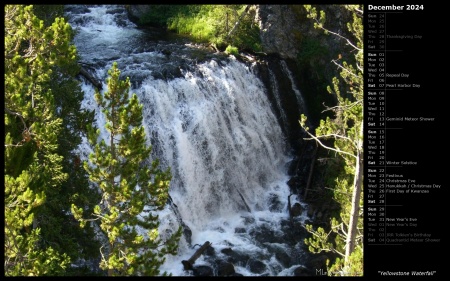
(208,118)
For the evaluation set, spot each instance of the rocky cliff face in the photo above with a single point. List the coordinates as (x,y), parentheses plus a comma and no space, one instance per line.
(280,29)
(284,28)
(136,12)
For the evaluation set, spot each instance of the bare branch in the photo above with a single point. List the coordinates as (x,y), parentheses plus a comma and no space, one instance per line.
(345,69)
(344,233)
(341,107)
(18,115)
(335,190)
(327,147)
(238,22)
(338,35)
(361,12)
(336,136)
(359,67)
(337,252)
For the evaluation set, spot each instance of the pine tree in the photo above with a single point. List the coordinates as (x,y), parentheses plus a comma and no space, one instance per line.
(58,228)
(131,189)
(32,165)
(346,131)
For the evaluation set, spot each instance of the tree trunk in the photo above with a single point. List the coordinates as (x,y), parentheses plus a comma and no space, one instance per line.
(243,200)
(239,21)
(311,170)
(190,262)
(290,210)
(356,196)
(89,77)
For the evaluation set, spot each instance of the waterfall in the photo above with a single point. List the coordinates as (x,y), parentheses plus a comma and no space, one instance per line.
(298,95)
(225,148)
(212,124)
(274,88)
(218,134)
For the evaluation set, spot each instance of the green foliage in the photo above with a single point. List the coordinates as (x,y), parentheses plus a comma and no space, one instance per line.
(345,129)
(43,126)
(198,21)
(246,35)
(213,24)
(131,188)
(160,15)
(311,50)
(319,241)
(58,228)
(232,50)
(33,167)
(354,267)
(48,13)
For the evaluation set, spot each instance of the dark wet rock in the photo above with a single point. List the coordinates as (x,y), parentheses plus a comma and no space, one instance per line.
(236,257)
(310,211)
(115,11)
(281,252)
(293,183)
(210,251)
(292,167)
(296,210)
(225,268)
(240,230)
(203,270)
(77,9)
(265,234)
(167,72)
(135,12)
(283,258)
(166,52)
(302,271)
(187,232)
(317,263)
(256,266)
(248,220)
(121,21)
(275,204)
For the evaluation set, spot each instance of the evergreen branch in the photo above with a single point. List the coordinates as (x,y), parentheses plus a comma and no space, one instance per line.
(331,249)
(354,8)
(344,69)
(342,107)
(18,256)
(18,115)
(98,217)
(103,256)
(335,190)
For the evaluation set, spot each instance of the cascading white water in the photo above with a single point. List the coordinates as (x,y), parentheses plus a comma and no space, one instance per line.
(213,127)
(221,140)
(298,95)
(219,135)
(274,84)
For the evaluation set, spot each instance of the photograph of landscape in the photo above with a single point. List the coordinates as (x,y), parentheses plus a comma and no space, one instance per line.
(186,140)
